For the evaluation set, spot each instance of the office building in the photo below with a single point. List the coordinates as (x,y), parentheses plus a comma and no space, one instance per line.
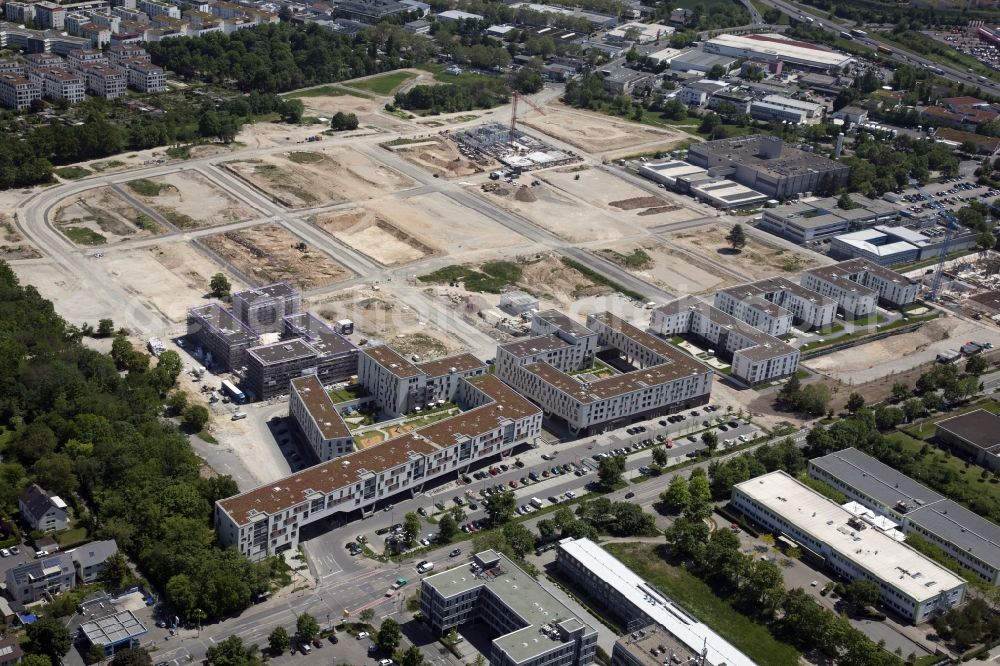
(773,48)
(774,305)
(886,246)
(623,81)
(400,386)
(369,11)
(317,420)
(810,112)
(222,338)
(739,100)
(42,511)
(664,379)
(820,218)
(912,585)
(638,33)
(671,173)
(754,355)
(632,600)
(533,627)
(766,164)
(859,285)
(263,308)
(17,92)
(726,194)
(271,367)
(653,646)
(34,581)
(113,632)
(698,92)
(268,519)
(975,435)
(968,538)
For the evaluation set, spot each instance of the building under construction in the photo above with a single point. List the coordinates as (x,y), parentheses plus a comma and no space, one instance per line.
(511,147)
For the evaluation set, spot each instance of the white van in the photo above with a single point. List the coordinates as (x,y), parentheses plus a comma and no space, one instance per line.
(424,567)
(537,503)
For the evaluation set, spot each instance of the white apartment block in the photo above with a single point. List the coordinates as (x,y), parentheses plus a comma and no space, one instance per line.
(38,62)
(153,8)
(80,59)
(775,305)
(12,66)
(17,92)
(400,386)
(122,54)
(666,379)
(146,77)
(910,584)
(106,20)
(317,420)
(756,356)
(858,285)
(267,520)
(19,12)
(105,81)
(98,35)
(61,84)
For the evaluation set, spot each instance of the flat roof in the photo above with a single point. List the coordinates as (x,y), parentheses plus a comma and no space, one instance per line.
(282,351)
(699,58)
(267,292)
(653,646)
(979,428)
(505,406)
(671,169)
(729,191)
(222,322)
(534,605)
(320,407)
(463,362)
(855,266)
(320,335)
(771,286)
(745,150)
(886,559)
(534,345)
(392,360)
(564,323)
(695,635)
(776,45)
(113,629)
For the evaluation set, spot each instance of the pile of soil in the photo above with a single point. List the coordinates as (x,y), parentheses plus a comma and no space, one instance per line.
(525,194)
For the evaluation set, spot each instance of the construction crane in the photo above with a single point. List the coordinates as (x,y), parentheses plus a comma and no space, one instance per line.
(952,225)
(514,99)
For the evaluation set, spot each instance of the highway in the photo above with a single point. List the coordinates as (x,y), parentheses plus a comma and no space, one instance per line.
(819,19)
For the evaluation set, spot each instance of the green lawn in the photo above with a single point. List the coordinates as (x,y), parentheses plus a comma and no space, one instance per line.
(383,84)
(71,536)
(347,393)
(72,172)
(84,236)
(326,91)
(146,188)
(697,597)
(305,157)
(438,70)
(809,346)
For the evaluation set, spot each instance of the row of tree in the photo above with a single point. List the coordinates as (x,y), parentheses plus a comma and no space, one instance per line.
(448,98)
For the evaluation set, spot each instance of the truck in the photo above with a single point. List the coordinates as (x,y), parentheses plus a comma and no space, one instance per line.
(858,33)
(233,392)
(537,503)
(882,48)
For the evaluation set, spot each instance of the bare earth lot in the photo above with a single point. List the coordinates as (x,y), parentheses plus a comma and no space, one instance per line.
(304,179)
(673,270)
(13,245)
(441,156)
(368,111)
(188,199)
(599,134)
(371,233)
(757,260)
(103,212)
(448,226)
(272,254)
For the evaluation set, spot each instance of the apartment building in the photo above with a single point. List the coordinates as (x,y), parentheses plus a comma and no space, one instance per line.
(268,519)
(222,338)
(89,559)
(153,8)
(62,84)
(271,367)
(263,308)
(400,386)
(32,581)
(42,511)
(145,77)
(17,92)
(858,286)
(105,81)
(122,54)
(912,585)
(50,15)
(79,59)
(665,379)
(12,66)
(774,305)
(337,357)
(19,12)
(316,419)
(39,62)
(970,539)
(632,600)
(532,626)
(755,356)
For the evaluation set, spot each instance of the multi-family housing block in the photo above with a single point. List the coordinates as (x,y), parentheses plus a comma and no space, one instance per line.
(858,286)
(755,355)
(263,308)
(17,92)
(664,380)
(267,520)
(911,584)
(317,420)
(145,77)
(775,305)
(534,627)
(105,81)
(970,539)
(222,337)
(34,581)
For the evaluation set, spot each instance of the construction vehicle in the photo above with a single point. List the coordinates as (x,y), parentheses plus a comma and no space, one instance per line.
(515,98)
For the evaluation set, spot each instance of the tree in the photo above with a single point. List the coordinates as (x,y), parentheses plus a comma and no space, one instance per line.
(788,396)
(861,593)
(687,538)
(700,505)
(94,654)
(232,652)
(116,571)
(176,402)
(48,636)
(737,237)
(709,122)
(711,440)
(447,528)
(137,656)
(388,636)
(291,111)
(546,529)
(411,526)
(888,417)
(105,328)
(855,402)
(500,507)
(913,408)
(986,241)
(814,399)
(367,615)
(219,284)
(845,202)
(344,121)
(660,456)
(458,513)
(279,640)
(932,401)
(306,627)
(900,391)
(195,417)
(976,365)
(610,471)
(520,539)
(968,146)
(412,657)
(717,72)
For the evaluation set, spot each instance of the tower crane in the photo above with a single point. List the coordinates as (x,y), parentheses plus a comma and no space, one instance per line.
(952,225)
(514,99)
